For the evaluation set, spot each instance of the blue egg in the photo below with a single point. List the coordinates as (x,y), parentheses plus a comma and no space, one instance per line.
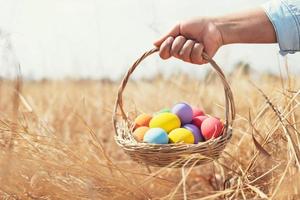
(156,136)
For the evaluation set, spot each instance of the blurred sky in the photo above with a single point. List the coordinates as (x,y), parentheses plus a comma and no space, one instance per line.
(101,38)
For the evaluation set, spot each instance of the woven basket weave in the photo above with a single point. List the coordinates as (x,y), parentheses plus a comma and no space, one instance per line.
(171,155)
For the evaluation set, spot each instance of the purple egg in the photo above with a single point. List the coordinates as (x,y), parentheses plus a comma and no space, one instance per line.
(196,132)
(184,112)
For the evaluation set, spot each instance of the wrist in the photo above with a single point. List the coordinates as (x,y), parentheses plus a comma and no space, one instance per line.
(226,28)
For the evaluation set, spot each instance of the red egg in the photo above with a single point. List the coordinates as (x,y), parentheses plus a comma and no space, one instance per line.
(197,121)
(211,128)
(197,112)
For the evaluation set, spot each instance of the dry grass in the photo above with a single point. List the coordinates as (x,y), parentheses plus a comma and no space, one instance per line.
(56,141)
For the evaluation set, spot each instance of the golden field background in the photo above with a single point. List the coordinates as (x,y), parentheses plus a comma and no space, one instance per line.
(56,140)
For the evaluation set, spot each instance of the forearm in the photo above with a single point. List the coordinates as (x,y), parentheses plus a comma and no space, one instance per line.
(251,26)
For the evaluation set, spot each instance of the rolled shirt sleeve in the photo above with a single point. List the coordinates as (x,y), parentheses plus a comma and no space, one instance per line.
(285,17)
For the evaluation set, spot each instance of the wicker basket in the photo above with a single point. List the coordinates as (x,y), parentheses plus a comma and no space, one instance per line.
(171,155)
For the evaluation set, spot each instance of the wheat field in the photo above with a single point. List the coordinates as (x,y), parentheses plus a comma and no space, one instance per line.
(57,139)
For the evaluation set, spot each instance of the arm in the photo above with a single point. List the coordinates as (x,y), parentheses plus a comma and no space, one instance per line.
(252,26)
(188,39)
(275,21)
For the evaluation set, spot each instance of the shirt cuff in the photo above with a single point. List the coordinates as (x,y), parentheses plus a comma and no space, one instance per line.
(283,16)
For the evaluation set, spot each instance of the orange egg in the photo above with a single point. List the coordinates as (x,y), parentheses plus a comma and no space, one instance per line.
(142,120)
(139,133)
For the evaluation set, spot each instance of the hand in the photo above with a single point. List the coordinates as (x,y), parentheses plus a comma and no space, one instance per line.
(189,39)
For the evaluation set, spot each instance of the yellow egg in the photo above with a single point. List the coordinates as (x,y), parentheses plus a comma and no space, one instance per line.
(166,121)
(139,133)
(181,135)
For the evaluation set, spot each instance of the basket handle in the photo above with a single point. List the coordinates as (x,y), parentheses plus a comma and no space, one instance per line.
(229,101)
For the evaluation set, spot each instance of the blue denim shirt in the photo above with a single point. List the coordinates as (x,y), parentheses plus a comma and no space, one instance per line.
(285,17)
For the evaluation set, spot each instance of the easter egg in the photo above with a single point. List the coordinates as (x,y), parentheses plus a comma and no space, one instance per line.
(166,121)
(211,127)
(197,112)
(142,120)
(196,132)
(156,136)
(139,133)
(165,110)
(184,112)
(197,121)
(181,135)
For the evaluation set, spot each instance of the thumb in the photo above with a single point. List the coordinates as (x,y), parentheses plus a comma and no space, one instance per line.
(175,31)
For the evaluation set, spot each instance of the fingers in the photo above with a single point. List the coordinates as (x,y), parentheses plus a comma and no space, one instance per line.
(175,31)
(181,48)
(196,54)
(165,47)
(177,46)
(186,50)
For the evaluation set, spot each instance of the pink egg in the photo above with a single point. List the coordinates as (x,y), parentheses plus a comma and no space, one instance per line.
(197,112)
(211,128)
(197,121)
